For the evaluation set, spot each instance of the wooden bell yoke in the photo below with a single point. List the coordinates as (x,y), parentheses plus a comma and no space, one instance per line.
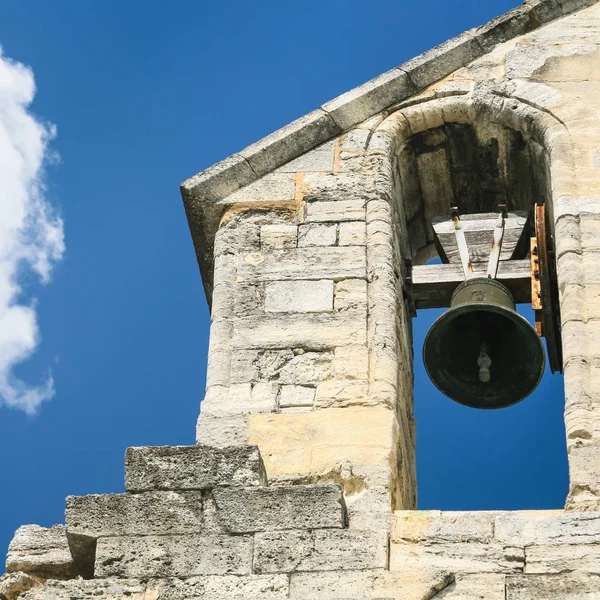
(498,246)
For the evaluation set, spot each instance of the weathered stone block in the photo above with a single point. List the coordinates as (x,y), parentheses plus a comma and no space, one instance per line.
(459,557)
(192,467)
(96,589)
(41,552)
(14,585)
(351,362)
(220,587)
(475,587)
(307,368)
(437,63)
(563,559)
(299,296)
(370,583)
(239,399)
(546,10)
(321,550)
(335,211)
(350,294)
(540,528)
(173,556)
(297,263)
(341,393)
(509,25)
(353,233)
(568,586)
(270,188)
(319,159)
(296,395)
(248,510)
(279,236)
(314,331)
(317,234)
(291,141)
(363,102)
(434,526)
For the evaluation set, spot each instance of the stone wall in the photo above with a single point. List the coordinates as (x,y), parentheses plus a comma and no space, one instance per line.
(303,481)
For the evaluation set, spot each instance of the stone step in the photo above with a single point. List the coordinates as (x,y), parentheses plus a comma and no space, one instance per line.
(173,556)
(227,510)
(42,552)
(247,510)
(192,467)
(91,517)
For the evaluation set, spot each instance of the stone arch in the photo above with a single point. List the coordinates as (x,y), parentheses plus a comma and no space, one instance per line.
(504,104)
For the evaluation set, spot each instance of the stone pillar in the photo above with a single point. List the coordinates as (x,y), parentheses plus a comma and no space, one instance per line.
(307,355)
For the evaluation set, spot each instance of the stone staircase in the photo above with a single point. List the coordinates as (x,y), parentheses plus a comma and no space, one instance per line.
(194,522)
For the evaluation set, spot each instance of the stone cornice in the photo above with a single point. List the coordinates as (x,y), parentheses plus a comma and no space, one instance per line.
(202,192)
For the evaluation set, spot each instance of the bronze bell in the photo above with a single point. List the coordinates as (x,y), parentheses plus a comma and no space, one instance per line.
(481,352)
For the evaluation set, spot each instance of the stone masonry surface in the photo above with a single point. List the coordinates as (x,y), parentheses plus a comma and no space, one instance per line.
(302,485)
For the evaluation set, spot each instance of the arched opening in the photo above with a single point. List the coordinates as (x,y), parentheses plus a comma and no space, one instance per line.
(477,459)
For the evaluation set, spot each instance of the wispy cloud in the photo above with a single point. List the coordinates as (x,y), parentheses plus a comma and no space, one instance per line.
(31,233)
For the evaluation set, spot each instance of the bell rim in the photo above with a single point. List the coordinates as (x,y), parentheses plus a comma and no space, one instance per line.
(494,308)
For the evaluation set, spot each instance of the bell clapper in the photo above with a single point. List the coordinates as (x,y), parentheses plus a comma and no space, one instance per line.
(484,362)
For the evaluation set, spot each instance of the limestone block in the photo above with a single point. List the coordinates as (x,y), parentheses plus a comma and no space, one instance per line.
(510,25)
(531,60)
(300,263)
(334,212)
(568,586)
(341,394)
(15,584)
(319,159)
(270,188)
(307,368)
(437,63)
(148,513)
(475,587)
(299,296)
(278,236)
(270,362)
(458,557)
(246,510)
(351,362)
(291,141)
(370,583)
(541,528)
(173,556)
(239,399)
(584,465)
(94,589)
(318,442)
(220,587)
(353,233)
(317,234)
(433,526)
(244,366)
(296,395)
(314,331)
(320,550)
(350,294)
(41,552)
(546,10)
(221,431)
(217,181)
(363,102)
(192,467)
(563,559)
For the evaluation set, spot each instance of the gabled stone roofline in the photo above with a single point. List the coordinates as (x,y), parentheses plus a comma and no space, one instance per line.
(203,191)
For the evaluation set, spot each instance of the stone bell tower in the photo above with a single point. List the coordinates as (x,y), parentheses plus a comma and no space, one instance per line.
(311,245)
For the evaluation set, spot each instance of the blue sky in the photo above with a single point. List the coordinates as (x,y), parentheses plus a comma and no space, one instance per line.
(144,95)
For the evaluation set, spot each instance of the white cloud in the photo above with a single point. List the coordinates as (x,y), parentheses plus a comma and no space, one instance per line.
(31,234)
